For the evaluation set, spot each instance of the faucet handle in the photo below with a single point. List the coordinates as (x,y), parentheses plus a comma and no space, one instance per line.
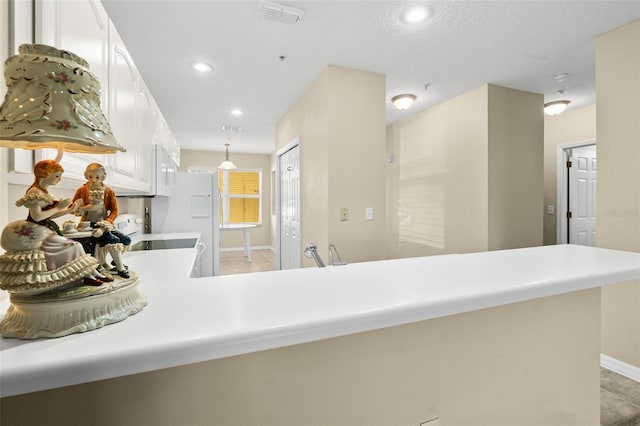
(334,255)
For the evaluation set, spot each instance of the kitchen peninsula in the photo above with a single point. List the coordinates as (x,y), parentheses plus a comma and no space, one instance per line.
(505,337)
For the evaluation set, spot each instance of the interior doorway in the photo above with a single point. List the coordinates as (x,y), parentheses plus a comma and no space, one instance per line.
(577,178)
(288,210)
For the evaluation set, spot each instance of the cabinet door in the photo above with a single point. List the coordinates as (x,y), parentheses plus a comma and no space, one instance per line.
(123,112)
(81,27)
(167,140)
(147,135)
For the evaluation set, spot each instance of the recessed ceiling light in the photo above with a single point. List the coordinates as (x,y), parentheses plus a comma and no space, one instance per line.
(237,112)
(202,67)
(415,15)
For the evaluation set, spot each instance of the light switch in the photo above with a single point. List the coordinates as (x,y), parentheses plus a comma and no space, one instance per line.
(551,209)
(368,213)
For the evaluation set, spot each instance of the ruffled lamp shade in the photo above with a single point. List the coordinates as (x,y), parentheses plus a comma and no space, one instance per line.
(53,101)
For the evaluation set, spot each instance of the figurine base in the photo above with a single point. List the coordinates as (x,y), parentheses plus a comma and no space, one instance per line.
(73,310)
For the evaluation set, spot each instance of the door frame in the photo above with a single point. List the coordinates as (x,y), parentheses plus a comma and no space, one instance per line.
(288,147)
(562,183)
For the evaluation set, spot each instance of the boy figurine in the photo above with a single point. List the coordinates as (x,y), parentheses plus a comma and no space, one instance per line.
(100,207)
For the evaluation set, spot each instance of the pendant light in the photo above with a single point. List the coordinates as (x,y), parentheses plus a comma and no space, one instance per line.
(226,164)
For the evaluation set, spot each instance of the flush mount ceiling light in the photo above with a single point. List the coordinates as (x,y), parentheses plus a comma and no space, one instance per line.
(555,107)
(415,15)
(202,67)
(226,164)
(236,111)
(404,101)
(280,13)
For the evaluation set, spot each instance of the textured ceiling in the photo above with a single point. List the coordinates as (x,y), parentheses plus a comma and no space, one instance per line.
(461,46)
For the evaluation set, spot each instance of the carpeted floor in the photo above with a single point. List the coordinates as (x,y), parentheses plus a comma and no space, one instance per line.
(619,400)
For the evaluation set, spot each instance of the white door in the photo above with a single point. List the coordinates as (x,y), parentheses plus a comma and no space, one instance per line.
(289,208)
(582,196)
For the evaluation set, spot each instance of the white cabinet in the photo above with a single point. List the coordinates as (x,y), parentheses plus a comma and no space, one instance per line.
(147,135)
(167,140)
(164,172)
(128,109)
(83,27)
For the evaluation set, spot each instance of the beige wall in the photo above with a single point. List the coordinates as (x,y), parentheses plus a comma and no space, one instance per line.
(308,120)
(571,127)
(515,161)
(466,175)
(260,236)
(618,185)
(340,122)
(439,166)
(498,366)
(356,162)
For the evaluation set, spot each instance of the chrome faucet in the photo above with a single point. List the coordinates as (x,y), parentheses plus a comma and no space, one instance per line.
(311,252)
(334,256)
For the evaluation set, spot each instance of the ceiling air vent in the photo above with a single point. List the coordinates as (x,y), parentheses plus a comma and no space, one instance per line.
(280,13)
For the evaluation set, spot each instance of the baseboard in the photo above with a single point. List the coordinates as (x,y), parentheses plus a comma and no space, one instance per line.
(622,368)
(252,248)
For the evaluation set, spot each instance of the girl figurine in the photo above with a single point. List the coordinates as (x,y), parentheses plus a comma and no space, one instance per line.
(99,206)
(26,241)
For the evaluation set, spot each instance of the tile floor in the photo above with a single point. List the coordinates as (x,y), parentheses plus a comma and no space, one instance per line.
(619,396)
(235,262)
(619,400)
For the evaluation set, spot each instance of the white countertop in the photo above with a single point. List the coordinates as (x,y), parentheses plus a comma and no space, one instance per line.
(190,320)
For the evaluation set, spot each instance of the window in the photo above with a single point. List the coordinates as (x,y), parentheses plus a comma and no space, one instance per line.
(241,191)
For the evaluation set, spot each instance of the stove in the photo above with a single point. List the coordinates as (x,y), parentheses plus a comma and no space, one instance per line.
(177,243)
(129,224)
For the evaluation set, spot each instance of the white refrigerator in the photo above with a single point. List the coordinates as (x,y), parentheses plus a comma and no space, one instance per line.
(193,207)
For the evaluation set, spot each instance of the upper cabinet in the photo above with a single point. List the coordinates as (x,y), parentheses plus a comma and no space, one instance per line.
(126,111)
(81,27)
(84,28)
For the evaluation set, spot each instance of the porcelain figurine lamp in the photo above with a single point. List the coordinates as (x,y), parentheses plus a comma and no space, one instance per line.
(53,101)
(56,283)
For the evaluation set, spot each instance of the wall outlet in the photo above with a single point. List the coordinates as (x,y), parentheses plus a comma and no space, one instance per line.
(368,213)
(344,214)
